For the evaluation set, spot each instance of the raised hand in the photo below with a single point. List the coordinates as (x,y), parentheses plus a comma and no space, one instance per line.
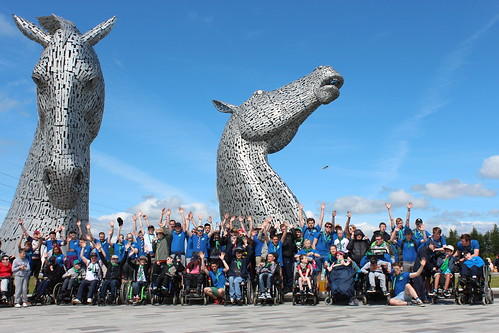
(226,216)
(300,206)
(134,218)
(232,219)
(423,261)
(323,205)
(388,205)
(410,205)
(21,222)
(98,246)
(240,218)
(222,255)
(111,224)
(78,223)
(163,211)
(210,220)
(62,228)
(180,210)
(249,218)
(201,255)
(168,212)
(88,226)
(349,214)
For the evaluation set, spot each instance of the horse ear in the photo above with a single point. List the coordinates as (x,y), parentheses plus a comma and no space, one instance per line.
(225,107)
(94,35)
(32,31)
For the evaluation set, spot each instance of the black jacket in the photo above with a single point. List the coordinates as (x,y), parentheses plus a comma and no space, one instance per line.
(114,272)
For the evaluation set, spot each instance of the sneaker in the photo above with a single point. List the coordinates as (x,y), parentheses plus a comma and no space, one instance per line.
(447,293)
(4,298)
(268,295)
(386,293)
(89,300)
(76,301)
(418,301)
(233,301)
(433,292)
(371,290)
(17,305)
(25,305)
(262,296)
(440,291)
(239,302)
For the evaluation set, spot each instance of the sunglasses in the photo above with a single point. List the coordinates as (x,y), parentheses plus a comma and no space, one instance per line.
(6,259)
(329,226)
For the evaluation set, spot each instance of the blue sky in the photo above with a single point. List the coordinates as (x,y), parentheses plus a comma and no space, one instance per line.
(416,120)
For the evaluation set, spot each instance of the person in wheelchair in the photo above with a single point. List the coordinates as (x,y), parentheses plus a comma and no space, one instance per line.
(141,276)
(165,279)
(217,276)
(93,276)
(193,276)
(472,267)
(377,269)
(53,272)
(305,271)
(5,277)
(237,273)
(114,272)
(72,278)
(265,271)
(444,266)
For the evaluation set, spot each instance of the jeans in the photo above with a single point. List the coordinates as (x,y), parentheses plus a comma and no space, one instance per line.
(92,289)
(235,287)
(111,284)
(288,272)
(4,285)
(264,281)
(67,285)
(137,286)
(21,283)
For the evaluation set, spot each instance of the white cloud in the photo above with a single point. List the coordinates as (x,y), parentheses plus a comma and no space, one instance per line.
(400,198)
(490,167)
(6,27)
(361,205)
(452,189)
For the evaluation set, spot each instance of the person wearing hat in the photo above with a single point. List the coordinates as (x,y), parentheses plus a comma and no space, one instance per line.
(237,273)
(52,272)
(141,270)
(112,278)
(420,234)
(162,243)
(444,266)
(93,276)
(72,278)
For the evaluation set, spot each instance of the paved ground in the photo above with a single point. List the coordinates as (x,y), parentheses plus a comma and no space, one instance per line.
(282,318)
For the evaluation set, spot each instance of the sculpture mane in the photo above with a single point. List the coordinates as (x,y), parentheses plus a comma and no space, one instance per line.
(265,124)
(53,188)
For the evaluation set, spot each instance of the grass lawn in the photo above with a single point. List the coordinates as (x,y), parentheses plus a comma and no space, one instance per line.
(495,281)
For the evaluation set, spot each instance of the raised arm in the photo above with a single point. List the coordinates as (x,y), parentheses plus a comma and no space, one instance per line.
(251,226)
(408,216)
(25,232)
(188,222)
(321,216)
(222,257)
(160,222)
(420,269)
(389,209)
(89,230)
(283,236)
(134,226)
(241,223)
(347,224)
(110,233)
(301,223)
(82,256)
(333,218)
(78,226)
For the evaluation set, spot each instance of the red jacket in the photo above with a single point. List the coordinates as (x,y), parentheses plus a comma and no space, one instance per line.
(5,271)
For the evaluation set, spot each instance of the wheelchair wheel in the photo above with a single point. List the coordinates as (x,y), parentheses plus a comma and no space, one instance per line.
(56,294)
(182,298)
(364,299)
(328,300)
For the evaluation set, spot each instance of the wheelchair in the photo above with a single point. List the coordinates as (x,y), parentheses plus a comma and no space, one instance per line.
(366,297)
(439,295)
(60,297)
(109,299)
(194,294)
(276,290)
(126,294)
(48,296)
(246,292)
(304,298)
(475,290)
(7,299)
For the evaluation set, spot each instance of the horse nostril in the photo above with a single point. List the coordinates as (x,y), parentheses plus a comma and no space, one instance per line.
(79,177)
(46,177)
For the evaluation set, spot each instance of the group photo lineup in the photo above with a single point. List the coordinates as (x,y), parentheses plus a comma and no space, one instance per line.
(220,166)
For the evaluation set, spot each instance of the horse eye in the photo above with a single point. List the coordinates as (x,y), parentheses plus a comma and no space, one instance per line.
(38,81)
(90,83)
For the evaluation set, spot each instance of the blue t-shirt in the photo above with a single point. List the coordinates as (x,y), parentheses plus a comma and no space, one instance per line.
(399,282)
(272,248)
(119,250)
(105,246)
(140,245)
(257,245)
(324,242)
(439,243)
(74,247)
(50,243)
(311,234)
(308,252)
(474,245)
(218,278)
(475,261)
(409,250)
(200,243)
(86,252)
(178,242)
(418,235)
(59,259)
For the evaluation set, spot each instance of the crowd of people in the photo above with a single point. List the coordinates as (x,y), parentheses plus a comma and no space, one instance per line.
(214,259)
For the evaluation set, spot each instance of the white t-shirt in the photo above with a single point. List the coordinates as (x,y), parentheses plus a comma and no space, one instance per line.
(341,245)
(93,271)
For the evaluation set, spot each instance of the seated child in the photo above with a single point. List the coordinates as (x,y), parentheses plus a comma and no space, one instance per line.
(141,276)
(72,277)
(165,278)
(237,273)
(193,277)
(445,266)
(374,269)
(265,271)
(5,276)
(472,266)
(305,270)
